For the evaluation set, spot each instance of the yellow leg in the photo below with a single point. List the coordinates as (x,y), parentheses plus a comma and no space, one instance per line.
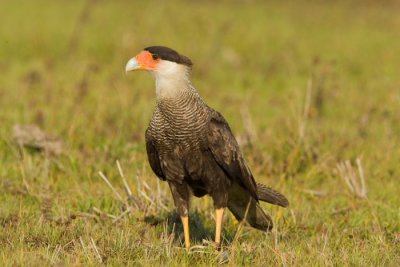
(218,223)
(185,222)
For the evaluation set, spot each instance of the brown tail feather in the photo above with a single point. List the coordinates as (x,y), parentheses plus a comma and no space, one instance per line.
(269,195)
(237,204)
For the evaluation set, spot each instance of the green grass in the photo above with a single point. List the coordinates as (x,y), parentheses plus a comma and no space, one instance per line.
(250,57)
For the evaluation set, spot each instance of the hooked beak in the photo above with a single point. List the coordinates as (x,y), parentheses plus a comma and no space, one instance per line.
(132,64)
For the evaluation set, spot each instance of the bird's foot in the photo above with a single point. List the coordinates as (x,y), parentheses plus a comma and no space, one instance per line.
(215,245)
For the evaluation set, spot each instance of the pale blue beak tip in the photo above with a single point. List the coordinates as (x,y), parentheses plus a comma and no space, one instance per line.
(132,65)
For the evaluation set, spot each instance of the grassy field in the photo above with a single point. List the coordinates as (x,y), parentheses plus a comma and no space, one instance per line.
(306,86)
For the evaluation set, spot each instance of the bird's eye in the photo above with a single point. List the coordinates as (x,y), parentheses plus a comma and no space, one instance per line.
(155,56)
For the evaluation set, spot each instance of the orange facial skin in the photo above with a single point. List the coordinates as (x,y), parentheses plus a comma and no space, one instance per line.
(146,61)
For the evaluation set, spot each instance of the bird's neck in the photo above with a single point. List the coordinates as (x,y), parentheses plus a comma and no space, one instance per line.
(172,88)
(172,81)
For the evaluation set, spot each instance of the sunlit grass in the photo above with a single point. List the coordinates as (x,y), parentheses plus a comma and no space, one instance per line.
(320,84)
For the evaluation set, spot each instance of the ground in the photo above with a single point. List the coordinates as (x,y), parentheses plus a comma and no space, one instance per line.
(305,86)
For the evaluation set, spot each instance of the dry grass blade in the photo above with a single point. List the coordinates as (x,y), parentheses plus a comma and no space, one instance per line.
(314,192)
(96,250)
(146,186)
(248,123)
(199,249)
(341,211)
(85,215)
(238,232)
(362,178)
(126,212)
(279,255)
(121,173)
(145,200)
(102,213)
(275,233)
(160,197)
(306,112)
(112,188)
(84,247)
(147,197)
(354,181)
(168,238)
(250,136)
(162,205)
(55,254)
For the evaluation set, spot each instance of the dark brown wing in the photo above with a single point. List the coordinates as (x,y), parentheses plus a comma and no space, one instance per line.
(153,156)
(226,153)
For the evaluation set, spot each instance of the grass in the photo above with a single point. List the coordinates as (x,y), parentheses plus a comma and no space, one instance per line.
(319,84)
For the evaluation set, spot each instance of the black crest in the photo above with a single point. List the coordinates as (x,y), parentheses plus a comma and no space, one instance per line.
(169,54)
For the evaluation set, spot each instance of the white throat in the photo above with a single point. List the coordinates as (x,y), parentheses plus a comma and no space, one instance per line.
(172,79)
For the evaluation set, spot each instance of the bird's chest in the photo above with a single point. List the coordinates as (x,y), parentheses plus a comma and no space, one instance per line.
(178,134)
(179,141)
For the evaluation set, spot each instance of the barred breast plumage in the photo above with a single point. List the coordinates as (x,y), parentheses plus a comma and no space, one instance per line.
(180,122)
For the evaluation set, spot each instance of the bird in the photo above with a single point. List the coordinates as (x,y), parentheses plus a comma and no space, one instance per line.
(191,147)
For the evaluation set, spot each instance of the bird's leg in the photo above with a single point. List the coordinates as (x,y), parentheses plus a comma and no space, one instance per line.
(180,194)
(185,222)
(218,225)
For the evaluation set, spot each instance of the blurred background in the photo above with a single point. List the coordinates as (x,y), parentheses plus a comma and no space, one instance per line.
(310,88)
(62,58)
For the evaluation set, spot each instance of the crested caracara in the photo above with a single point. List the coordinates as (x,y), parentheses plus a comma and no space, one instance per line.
(191,146)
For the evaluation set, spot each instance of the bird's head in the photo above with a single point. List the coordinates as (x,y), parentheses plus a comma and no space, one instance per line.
(158,59)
